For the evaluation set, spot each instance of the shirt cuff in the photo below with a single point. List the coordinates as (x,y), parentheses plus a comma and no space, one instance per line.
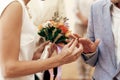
(88,55)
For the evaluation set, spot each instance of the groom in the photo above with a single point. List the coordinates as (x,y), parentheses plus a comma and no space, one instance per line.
(104,24)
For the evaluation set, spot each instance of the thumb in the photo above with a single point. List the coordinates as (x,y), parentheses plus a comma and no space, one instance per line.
(42,46)
(97,41)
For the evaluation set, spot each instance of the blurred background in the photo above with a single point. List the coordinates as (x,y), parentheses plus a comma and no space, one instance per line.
(77,11)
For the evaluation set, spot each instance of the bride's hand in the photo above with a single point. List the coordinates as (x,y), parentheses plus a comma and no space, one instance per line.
(39,50)
(71,52)
(52,50)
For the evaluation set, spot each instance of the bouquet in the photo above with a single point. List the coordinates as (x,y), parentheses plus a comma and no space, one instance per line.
(56,31)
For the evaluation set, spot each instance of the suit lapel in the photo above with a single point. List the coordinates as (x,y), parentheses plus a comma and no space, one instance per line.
(107,23)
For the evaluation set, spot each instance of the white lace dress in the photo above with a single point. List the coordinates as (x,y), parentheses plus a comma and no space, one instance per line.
(28,35)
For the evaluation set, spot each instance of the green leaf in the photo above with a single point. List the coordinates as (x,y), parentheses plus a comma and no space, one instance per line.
(58,31)
(62,39)
(51,33)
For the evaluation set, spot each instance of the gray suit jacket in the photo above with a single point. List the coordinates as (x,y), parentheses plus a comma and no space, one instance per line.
(100,27)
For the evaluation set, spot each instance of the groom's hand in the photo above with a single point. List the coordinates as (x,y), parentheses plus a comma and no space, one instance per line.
(88,45)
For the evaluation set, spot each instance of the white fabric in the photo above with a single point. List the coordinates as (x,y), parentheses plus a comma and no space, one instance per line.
(3,5)
(116,31)
(42,11)
(28,34)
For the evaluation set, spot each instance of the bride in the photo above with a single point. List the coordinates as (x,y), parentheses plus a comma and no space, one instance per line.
(19,59)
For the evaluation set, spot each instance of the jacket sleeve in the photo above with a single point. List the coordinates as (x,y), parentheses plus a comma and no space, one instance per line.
(90,34)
